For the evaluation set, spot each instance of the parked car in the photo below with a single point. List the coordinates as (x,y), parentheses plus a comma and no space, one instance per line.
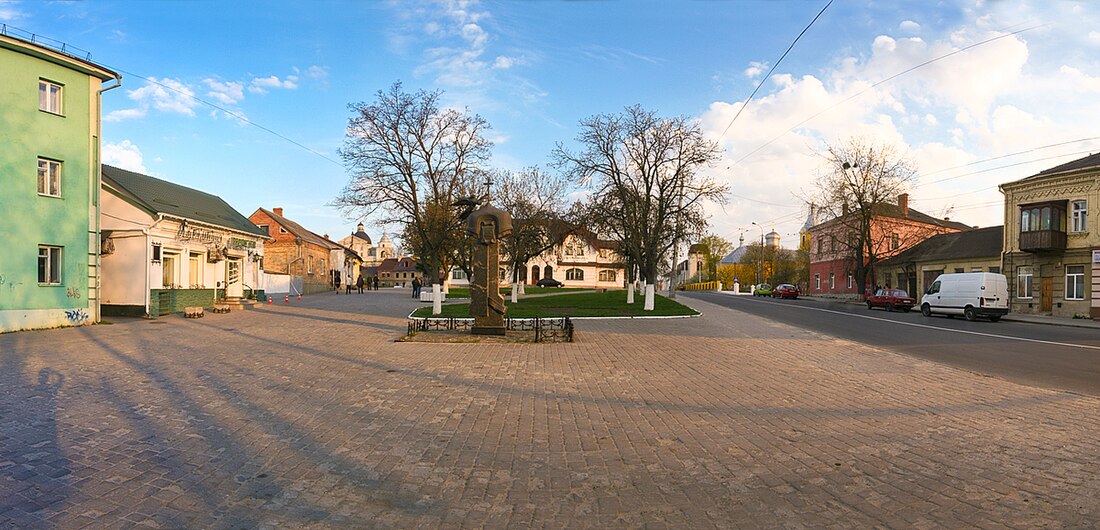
(970,294)
(891,300)
(762,289)
(548,282)
(785,290)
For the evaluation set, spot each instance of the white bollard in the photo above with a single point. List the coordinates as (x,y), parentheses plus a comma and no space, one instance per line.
(630,293)
(648,298)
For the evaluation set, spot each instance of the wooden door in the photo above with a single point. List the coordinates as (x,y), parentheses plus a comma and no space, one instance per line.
(1046,302)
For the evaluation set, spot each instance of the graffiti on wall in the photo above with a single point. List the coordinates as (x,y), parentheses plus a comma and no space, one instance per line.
(9,284)
(76,316)
(72,292)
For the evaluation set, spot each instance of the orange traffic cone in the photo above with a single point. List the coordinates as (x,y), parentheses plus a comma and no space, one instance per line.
(287,299)
(269,300)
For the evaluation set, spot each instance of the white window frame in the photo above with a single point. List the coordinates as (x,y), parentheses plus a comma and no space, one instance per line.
(195,265)
(574,274)
(1077,280)
(49,271)
(832,280)
(851,280)
(51,100)
(1080,221)
(309,264)
(266,229)
(607,275)
(817,282)
(458,274)
(49,177)
(1023,273)
(895,241)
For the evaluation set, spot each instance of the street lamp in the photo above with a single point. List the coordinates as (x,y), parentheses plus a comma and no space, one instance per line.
(761,277)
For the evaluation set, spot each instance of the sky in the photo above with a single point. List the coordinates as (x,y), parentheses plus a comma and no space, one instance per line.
(249,100)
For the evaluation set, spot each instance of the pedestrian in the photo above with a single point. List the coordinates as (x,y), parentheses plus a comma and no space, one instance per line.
(375,283)
(336,281)
(360,283)
(349,286)
(416,287)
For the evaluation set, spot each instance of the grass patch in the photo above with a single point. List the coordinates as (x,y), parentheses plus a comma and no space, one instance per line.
(464,292)
(598,304)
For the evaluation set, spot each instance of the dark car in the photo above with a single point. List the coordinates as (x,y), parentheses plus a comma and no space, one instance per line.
(548,282)
(762,289)
(785,290)
(891,299)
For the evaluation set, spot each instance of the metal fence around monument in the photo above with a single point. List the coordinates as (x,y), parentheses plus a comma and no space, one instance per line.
(558,329)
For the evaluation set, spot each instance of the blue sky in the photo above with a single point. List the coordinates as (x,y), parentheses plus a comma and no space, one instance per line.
(534,69)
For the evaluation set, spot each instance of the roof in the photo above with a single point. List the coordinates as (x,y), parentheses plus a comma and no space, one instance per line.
(301,232)
(734,257)
(53,51)
(1088,162)
(163,197)
(359,233)
(969,244)
(887,209)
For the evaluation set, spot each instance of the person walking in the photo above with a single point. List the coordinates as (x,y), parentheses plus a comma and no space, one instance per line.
(416,287)
(359,284)
(336,281)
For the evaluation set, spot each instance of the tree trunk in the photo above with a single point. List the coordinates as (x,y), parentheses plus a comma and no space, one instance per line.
(648,298)
(437,302)
(515,292)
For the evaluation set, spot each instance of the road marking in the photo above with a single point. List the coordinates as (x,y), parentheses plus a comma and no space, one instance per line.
(963,331)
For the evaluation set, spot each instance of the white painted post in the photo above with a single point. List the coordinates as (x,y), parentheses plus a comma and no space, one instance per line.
(630,293)
(515,291)
(648,298)
(437,302)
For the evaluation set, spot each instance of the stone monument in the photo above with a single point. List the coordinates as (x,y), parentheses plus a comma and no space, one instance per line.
(487,226)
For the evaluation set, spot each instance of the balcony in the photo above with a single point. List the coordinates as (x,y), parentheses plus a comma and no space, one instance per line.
(1037,240)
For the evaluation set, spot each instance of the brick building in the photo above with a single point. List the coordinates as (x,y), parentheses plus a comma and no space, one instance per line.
(296,251)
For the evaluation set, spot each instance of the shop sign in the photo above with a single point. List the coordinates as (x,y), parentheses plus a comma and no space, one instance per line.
(1096,256)
(236,242)
(200,235)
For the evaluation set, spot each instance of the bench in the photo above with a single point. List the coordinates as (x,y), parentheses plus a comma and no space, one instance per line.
(193,312)
(220,308)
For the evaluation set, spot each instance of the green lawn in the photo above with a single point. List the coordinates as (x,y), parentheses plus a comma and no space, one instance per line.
(464,292)
(589,304)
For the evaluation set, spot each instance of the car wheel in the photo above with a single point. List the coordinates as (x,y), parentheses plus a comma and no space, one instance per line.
(889,308)
(994,318)
(907,309)
(926,310)
(869,306)
(970,314)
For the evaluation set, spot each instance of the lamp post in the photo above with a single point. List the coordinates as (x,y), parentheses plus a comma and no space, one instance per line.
(761,277)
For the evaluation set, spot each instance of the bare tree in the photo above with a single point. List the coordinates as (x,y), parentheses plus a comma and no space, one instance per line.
(410,160)
(646,192)
(714,249)
(536,201)
(858,194)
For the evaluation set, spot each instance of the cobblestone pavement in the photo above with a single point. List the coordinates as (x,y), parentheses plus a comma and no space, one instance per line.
(309,415)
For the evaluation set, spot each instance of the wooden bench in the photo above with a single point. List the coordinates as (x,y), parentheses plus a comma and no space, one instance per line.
(193,312)
(220,308)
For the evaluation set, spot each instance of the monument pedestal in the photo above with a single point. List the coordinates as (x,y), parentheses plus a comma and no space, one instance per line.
(499,331)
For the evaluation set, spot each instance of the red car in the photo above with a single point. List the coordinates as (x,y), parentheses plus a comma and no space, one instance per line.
(785,290)
(891,299)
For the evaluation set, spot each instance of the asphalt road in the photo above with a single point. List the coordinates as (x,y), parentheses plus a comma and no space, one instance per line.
(1055,357)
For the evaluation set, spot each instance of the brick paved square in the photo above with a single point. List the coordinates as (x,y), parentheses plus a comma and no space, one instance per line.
(309,415)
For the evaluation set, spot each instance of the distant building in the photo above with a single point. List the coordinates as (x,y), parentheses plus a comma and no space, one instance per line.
(49,184)
(371,253)
(294,250)
(1051,251)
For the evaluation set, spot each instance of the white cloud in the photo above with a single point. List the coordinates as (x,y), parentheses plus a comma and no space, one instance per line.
(261,85)
(226,93)
(10,12)
(909,26)
(503,62)
(166,95)
(755,69)
(315,72)
(1094,36)
(1080,80)
(125,155)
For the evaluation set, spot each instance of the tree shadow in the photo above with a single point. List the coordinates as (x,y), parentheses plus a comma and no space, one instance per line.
(35,475)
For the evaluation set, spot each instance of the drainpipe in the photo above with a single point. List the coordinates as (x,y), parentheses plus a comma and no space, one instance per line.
(98,180)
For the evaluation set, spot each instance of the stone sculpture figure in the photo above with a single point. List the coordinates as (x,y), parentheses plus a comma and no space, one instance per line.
(487,226)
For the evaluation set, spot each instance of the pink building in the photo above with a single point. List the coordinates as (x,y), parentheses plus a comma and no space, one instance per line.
(894,228)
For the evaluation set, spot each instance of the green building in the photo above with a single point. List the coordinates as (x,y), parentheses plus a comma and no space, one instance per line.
(49,183)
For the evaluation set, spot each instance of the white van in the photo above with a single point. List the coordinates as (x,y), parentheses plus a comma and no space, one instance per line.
(970,294)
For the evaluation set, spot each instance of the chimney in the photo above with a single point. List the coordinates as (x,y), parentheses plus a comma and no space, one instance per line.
(903,203)
(278,211)
(326,236)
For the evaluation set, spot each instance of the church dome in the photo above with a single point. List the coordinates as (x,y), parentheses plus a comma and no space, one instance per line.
(359,233)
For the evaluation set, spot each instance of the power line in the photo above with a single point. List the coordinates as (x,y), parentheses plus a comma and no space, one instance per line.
(774,66)
(1025,162)
(1024,152)
(226,111)
(886,80)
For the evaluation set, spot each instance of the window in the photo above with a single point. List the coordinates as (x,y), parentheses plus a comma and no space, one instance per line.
(1023,282)
(156,253)
(574,274)
(832,280)
(282,230)
(1043,217)
(168,268)
(309,265)
(819,247)
(194,271)
(49,265)
(895,241)
(323,265)
(817,281)
(574,248)
(975,269)
(935,288)
(49,177)
(832,243)
(1075,282)
(608,276)
(959,269)
(851,280)
(548,272)
(265,229)
(995,270)
(605,253)
(49,96)
(1080,216)
(458,274)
